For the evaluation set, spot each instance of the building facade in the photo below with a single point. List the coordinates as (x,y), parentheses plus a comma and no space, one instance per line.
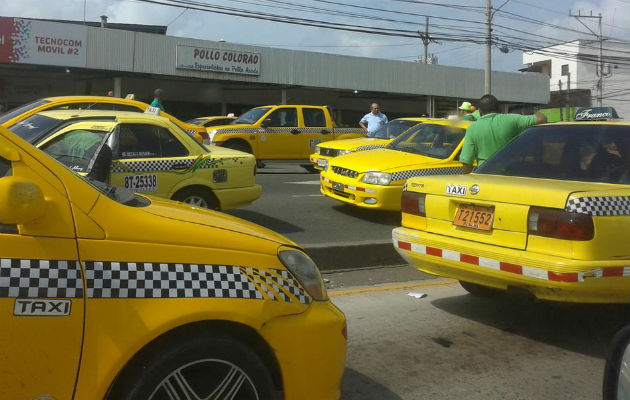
(40,58)
(573,71)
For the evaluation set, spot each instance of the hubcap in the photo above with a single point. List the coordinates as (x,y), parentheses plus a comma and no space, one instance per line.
(208,379)
(195,200)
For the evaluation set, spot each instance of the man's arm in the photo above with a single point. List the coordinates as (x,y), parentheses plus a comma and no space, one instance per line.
(468,154)
(525,121)
(540,118)
(386,120)
(362,125)
(467,168)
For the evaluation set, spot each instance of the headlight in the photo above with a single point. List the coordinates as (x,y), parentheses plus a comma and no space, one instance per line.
(326,167)
(342,152)
(306,272)
(317,150)
(377,178)
(211,135)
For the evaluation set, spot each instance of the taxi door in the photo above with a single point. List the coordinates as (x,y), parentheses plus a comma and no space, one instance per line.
(148,158)
(281,137)
(41,283)
(316,130)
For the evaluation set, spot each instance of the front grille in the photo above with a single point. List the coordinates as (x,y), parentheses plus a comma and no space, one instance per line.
(328,152)
(345,172)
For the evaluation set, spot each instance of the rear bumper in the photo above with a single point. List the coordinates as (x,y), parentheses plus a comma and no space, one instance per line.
(357,193)
(311,351)
(237,197)
(546,277)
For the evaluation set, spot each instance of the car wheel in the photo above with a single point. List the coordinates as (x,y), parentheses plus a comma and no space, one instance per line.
(197,197)
(201,368)
(479,290)
(310,168)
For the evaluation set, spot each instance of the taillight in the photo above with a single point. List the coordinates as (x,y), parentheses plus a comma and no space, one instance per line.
(559,224)
(413,203)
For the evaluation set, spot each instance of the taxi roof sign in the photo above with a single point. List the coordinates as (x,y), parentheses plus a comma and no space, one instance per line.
(152,110)
(596,114)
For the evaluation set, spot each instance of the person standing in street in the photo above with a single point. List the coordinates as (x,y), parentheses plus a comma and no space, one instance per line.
(374,119)
(467,110)
(492,131)
(158,96)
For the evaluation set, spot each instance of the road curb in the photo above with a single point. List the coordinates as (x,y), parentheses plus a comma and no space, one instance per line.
(352,255)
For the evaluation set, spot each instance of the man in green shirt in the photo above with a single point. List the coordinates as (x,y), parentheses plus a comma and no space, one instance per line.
(493,131)
(157,101)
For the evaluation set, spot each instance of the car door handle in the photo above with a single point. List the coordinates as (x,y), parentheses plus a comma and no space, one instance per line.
(325,132)
(179,166)
(296,132)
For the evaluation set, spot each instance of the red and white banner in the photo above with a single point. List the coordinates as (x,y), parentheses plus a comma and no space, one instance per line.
(28,41)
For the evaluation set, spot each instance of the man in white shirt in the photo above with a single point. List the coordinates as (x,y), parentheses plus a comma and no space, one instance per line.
(374,119)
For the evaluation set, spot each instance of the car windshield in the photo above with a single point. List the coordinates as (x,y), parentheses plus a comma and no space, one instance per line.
(196,121)
(34,127)
(392,129)
(437,141)
(21,110)
(251,116)
(585,153)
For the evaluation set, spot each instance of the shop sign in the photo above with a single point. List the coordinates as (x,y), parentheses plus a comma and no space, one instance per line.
(218,60)
(25,41)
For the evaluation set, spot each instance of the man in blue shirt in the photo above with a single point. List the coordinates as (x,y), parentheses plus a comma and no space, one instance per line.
(374,119)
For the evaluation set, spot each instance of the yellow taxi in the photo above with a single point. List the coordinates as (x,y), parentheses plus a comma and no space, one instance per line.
(103,103)
(374,178)
(148,153)
(282,133)
(108,294)
(548,215)
(210,122)
(373,140)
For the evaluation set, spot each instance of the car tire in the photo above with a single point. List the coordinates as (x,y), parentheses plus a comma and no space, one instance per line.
(198,197)
(195,368)
(311,169)
(479,290)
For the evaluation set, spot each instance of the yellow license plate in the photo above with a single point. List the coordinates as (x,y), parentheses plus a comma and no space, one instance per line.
(475,217)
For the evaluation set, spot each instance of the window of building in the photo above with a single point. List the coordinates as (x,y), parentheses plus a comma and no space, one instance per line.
(565,70)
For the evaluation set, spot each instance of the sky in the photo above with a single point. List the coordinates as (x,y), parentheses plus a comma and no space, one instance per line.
(467,22)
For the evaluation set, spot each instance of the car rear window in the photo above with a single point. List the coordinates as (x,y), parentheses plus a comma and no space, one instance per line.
(586,153)
(32,128)
(21,110)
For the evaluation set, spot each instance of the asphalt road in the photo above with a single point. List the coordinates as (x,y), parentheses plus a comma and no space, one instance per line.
(291,204)
(451,345)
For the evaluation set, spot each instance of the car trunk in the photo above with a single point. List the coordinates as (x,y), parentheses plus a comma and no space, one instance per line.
(507,199)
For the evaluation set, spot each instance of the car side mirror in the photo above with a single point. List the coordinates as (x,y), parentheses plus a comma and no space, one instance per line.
(266,122)
(21,201)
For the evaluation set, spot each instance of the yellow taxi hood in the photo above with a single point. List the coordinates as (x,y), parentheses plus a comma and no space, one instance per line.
(219,128)
(200,216)
(508,189)
(227,152)
(383,160)
(352,144)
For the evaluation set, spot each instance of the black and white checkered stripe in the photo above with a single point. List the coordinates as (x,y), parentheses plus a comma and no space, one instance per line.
(223,131)
(404,175)
(288,282)
(599,205)
(370,147)
(270,286)
(40,278)
(166,280)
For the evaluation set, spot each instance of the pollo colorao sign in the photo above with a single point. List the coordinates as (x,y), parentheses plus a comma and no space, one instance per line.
(27,41)
(218,60)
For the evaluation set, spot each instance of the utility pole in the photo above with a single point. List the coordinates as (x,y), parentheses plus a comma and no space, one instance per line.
(600,37)
(426,40)
(487,86)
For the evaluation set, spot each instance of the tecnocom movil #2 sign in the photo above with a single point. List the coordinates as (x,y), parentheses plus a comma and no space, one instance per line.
(218,60)
(26,41)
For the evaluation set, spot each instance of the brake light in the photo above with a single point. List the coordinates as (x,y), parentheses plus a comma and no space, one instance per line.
(559,224)
(413,203)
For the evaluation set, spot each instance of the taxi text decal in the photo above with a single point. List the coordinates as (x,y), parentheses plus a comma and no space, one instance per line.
(457,190)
